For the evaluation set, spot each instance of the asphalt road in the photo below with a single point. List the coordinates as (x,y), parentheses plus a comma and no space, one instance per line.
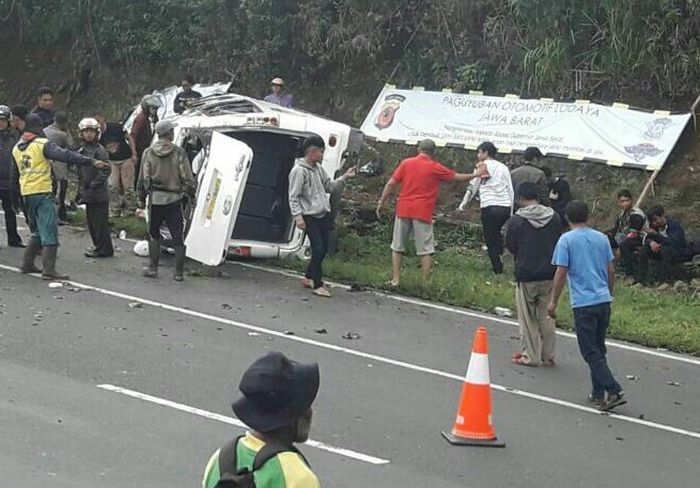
(178,350)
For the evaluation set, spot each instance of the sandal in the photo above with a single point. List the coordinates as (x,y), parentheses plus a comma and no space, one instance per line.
(322,292)
(520,362)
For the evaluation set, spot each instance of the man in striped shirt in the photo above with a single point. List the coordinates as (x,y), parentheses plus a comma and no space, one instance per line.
(276,405)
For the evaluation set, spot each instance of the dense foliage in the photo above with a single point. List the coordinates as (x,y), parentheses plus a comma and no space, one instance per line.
(640,50)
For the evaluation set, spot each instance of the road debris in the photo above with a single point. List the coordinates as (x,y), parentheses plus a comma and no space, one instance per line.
(355,288)
(351,336)
(632,377)
(55,284)
(321,331)
(253,334)
(226,306)
(289,332)
(673,383)
(503,312)
(136,305)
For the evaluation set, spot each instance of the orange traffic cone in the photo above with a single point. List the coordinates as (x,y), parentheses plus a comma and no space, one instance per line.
(473,426)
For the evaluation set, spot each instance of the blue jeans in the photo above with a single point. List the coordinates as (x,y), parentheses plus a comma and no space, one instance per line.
(591,326)
(318,230)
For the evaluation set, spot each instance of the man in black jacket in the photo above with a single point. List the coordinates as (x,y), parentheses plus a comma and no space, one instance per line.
(532,235)
(8,193)
(94,190)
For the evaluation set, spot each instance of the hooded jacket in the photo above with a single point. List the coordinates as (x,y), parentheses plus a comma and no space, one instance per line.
(165,174)
(531,237)
(309,186)
(93,183)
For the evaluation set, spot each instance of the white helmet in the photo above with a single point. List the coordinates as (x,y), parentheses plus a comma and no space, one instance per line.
(89,123)
(151,101)
(5,112)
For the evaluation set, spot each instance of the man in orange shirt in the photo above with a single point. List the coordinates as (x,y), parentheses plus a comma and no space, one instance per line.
(420,178)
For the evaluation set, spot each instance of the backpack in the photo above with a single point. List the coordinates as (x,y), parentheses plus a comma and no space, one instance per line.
(231,477)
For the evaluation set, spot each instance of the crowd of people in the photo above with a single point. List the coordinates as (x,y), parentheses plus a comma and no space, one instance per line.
(547,233)
(115,173)
(119,172)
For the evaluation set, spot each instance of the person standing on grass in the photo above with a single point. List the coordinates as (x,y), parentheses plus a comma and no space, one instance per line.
(93,190)
(496,195)
(32,169)
(531,237)
(420,178)
(584,256)
(309,186)
(122,159)
(528,172)
(8,192)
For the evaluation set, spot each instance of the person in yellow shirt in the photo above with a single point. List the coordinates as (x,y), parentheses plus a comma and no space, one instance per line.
(32,170)
(276,405)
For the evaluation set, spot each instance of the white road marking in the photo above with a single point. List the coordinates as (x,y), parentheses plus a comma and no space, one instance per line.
(468,313)
(234,421)
(373,357)
(459,311)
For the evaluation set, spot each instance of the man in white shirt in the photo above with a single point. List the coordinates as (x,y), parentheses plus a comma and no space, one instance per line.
(496,196)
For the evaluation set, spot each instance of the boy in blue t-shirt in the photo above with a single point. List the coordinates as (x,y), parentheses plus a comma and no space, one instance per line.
(585,257)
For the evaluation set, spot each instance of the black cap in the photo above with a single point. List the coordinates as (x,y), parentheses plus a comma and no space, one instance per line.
(20,111)
(34,125)
(276,392)
(312,141)
(532,153)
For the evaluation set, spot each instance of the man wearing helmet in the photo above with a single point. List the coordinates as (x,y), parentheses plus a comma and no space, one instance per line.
(141,134)
(278,97)
(8,194)
(32,156)
(93,190)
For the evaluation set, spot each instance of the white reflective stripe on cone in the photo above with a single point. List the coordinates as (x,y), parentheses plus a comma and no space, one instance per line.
(478,371)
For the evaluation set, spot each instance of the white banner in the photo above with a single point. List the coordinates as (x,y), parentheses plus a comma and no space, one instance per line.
(578,130)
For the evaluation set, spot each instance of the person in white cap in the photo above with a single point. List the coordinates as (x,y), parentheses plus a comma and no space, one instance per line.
(278,96)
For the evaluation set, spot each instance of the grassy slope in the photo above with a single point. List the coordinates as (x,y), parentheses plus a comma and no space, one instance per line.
(463,277)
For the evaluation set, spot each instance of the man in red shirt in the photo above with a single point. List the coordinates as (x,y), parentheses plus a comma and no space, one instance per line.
(420,178)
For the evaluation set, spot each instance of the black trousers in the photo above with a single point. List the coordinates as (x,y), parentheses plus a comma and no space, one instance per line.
(318,230)
(492,220)
(97,215)
(171,214)
(10,218)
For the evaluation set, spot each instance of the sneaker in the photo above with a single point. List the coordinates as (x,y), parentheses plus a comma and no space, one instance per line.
(612,401)
(597,402)
(322,292)
(307,283)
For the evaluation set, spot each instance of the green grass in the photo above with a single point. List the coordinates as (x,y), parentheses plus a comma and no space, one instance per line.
(134,226)
(463,277)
